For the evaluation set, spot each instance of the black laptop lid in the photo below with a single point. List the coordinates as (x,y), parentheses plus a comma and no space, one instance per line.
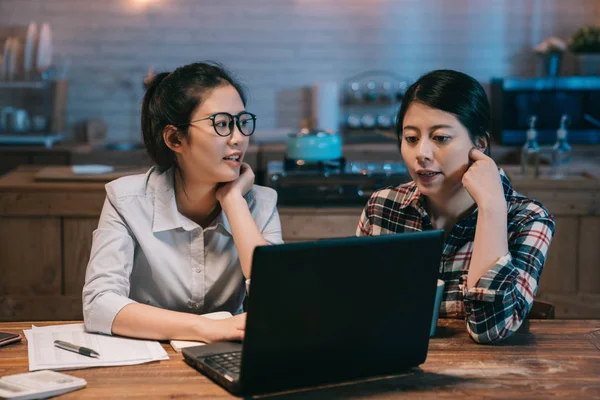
(339,309)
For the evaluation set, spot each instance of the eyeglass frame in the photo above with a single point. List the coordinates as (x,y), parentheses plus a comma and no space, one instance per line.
(234,118)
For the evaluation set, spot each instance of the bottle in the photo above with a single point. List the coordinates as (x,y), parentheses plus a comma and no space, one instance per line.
(561,151)
(371,92)
(530,153)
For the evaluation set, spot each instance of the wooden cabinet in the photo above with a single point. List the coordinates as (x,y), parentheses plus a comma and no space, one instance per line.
(13,157)
(46,235)
(45,240)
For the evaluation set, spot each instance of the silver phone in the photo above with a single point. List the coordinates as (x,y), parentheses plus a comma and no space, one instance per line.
(7,338)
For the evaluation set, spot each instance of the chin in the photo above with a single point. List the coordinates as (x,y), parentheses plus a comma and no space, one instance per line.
(228,176)
(429,191)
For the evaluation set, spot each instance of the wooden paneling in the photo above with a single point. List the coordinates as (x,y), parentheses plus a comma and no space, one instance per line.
(589,255)
(56,203)
(58,158)
(560,271)
(307,226)
(566,203)
(10,161)
(77,243)
(30,253)
(39,308)
(575,306)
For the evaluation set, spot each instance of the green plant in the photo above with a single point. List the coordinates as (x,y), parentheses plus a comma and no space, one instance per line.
(585,40)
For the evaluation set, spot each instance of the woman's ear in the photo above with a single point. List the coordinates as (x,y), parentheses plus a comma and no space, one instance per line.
(481,143)
(172,138)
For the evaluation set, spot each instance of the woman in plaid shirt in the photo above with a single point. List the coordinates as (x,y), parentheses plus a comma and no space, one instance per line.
(496,239)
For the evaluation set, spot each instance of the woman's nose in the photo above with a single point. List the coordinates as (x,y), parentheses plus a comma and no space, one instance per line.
(236,136)
(424,151)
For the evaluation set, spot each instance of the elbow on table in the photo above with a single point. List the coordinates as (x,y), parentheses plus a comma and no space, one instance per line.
(493,334)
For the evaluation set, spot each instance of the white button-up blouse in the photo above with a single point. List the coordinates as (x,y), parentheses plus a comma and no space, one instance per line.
(145,251)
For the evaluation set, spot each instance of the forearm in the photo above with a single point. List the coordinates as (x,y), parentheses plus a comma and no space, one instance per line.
(246,234)
(148,322)
(495,314)
(490,243)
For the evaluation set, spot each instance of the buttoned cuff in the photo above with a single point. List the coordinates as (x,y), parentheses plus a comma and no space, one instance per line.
(492,286)
(103,312)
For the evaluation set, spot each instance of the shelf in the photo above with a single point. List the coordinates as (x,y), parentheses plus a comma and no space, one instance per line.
(576,136)
(46,139)
(548,83)
(25,84)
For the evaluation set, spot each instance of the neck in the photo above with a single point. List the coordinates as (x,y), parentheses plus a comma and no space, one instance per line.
(196,200)
(446,209)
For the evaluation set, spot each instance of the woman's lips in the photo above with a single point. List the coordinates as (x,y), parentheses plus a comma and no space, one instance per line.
(427,177)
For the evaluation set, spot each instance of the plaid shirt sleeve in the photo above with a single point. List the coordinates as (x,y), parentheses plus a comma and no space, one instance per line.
(364,224)
(499,302)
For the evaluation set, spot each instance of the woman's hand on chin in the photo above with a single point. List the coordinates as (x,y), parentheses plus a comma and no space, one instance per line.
(238,187)
(482,181)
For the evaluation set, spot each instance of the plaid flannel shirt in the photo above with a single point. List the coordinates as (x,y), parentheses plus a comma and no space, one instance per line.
(498,303)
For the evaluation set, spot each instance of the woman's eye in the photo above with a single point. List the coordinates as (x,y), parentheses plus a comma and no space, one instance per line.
(442,139)
(244,122)
(220,124)
(411,139)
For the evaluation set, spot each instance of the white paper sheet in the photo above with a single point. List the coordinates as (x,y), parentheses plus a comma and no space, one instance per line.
(113,350)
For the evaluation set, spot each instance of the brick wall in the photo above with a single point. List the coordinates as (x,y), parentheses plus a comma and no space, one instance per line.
(279,46)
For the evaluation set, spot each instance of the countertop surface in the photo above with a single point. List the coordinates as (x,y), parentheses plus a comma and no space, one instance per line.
(545,359)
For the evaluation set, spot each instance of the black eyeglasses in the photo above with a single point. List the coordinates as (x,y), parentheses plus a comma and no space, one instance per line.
(223,123)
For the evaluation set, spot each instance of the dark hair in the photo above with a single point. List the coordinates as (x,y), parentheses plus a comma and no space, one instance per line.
(455,93)
(171,98)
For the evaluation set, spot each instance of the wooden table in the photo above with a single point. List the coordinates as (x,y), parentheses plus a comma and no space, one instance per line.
(551,358)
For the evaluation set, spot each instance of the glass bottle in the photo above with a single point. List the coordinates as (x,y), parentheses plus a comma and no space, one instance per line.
(530,152)
(561,151)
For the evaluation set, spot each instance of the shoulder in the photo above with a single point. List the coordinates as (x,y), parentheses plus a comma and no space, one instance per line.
(140,185)
(524,211)
(261,196)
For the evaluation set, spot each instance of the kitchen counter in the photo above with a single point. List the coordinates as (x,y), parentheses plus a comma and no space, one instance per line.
(258,155)
(76,153)
(48,227)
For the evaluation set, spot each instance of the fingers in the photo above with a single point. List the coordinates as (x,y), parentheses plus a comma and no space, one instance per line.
(476,154)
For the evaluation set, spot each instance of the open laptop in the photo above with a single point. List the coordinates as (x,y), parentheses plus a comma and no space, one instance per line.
(329,311)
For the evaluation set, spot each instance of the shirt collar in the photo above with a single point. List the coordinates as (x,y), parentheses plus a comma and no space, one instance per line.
(412,197)
(166,215)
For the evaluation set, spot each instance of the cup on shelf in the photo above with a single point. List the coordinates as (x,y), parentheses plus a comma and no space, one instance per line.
(39,123)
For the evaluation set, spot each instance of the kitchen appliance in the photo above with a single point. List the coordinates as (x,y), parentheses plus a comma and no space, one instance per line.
(332,182)
(314,145)
(515,100)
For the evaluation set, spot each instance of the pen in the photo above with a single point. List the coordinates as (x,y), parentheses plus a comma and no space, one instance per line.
(76,349)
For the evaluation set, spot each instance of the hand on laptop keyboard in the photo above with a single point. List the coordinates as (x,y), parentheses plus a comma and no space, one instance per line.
(210,330)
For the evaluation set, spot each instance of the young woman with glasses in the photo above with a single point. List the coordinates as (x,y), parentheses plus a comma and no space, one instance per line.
(177,242)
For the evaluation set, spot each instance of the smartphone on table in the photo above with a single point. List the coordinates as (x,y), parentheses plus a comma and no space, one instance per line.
(7,338)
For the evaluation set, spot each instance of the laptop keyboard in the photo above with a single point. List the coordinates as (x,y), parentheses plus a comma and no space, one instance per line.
(226,363)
